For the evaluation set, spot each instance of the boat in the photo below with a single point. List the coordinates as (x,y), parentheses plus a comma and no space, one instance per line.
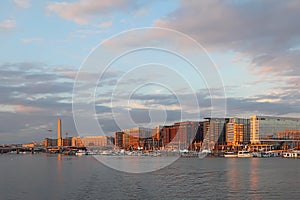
(267,154)
(69,152)
(244,154)
(257,154)
(204,153)
(80,153)
(230,154)
(292,154)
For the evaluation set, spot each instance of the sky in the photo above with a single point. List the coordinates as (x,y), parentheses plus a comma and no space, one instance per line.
(126,63)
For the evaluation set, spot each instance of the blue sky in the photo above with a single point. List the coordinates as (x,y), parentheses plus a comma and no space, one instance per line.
(255,45)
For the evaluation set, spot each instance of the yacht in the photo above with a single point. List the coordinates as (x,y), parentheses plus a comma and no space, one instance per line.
(230,154)
(80,153)
(244,154)
(203,153)
(292,154)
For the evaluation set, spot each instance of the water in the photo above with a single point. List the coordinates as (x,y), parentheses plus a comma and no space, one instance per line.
(68,177)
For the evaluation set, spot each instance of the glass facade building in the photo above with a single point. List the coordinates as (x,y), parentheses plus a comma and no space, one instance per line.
(266,128)
(214,132)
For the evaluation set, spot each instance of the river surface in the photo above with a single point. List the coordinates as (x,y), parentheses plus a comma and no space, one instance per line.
(43,176)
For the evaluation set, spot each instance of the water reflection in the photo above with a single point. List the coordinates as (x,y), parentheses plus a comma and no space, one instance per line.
(242,177)
(233,176)
(59,168)
(254,179)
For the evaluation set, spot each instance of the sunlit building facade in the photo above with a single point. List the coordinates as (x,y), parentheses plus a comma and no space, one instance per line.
(76,142)
(180,135)
(92,141)
(136,138)
(48,142)
(238,131)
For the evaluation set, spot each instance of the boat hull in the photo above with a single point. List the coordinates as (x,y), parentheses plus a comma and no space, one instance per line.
(231,156)
(244,154)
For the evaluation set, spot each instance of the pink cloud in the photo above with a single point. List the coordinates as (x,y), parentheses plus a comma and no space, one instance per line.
(82,11)
(106,24)
(18,108)
(265,33)
(22,3)
(7,24)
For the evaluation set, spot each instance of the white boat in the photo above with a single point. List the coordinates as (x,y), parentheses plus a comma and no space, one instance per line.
(106,153)
(293,154)
(267,154)
(80,153)
(257,154)
(204,153)
(244,154)
(230,154)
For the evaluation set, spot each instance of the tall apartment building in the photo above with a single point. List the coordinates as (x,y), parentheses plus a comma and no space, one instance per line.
(135,138)
(119,139)
(180,135)
(214,132)
(238,131)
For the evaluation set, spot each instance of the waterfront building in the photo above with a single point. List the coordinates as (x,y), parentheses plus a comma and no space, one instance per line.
(271,129)
(67,141)
(110,141)
(185,134)
(214,132)
(180,135)
(77,142)
(96,141)
(237,131)
(119,139)
(289,134)
(28,145)
(156,142)
(93,141)
(136,138)
(165,135)
(48,142)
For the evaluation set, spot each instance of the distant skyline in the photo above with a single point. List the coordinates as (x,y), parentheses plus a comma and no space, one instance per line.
(255,45)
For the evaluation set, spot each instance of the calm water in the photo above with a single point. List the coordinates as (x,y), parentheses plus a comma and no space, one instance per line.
(66,177)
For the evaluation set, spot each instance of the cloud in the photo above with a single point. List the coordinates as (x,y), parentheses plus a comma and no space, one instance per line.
(106,24)
(28,83)
(18,108)
(7,24)
(22,3)
(35,94)
(82,11)
(267,33)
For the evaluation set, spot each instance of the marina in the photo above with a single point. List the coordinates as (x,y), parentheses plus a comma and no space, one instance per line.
(78,151)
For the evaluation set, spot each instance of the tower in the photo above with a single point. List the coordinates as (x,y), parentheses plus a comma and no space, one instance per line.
(59,137)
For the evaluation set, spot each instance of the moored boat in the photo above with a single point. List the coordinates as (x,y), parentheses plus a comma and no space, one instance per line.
(80,153)
(244,154)
(292,154)
(203,153)
(230,154)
